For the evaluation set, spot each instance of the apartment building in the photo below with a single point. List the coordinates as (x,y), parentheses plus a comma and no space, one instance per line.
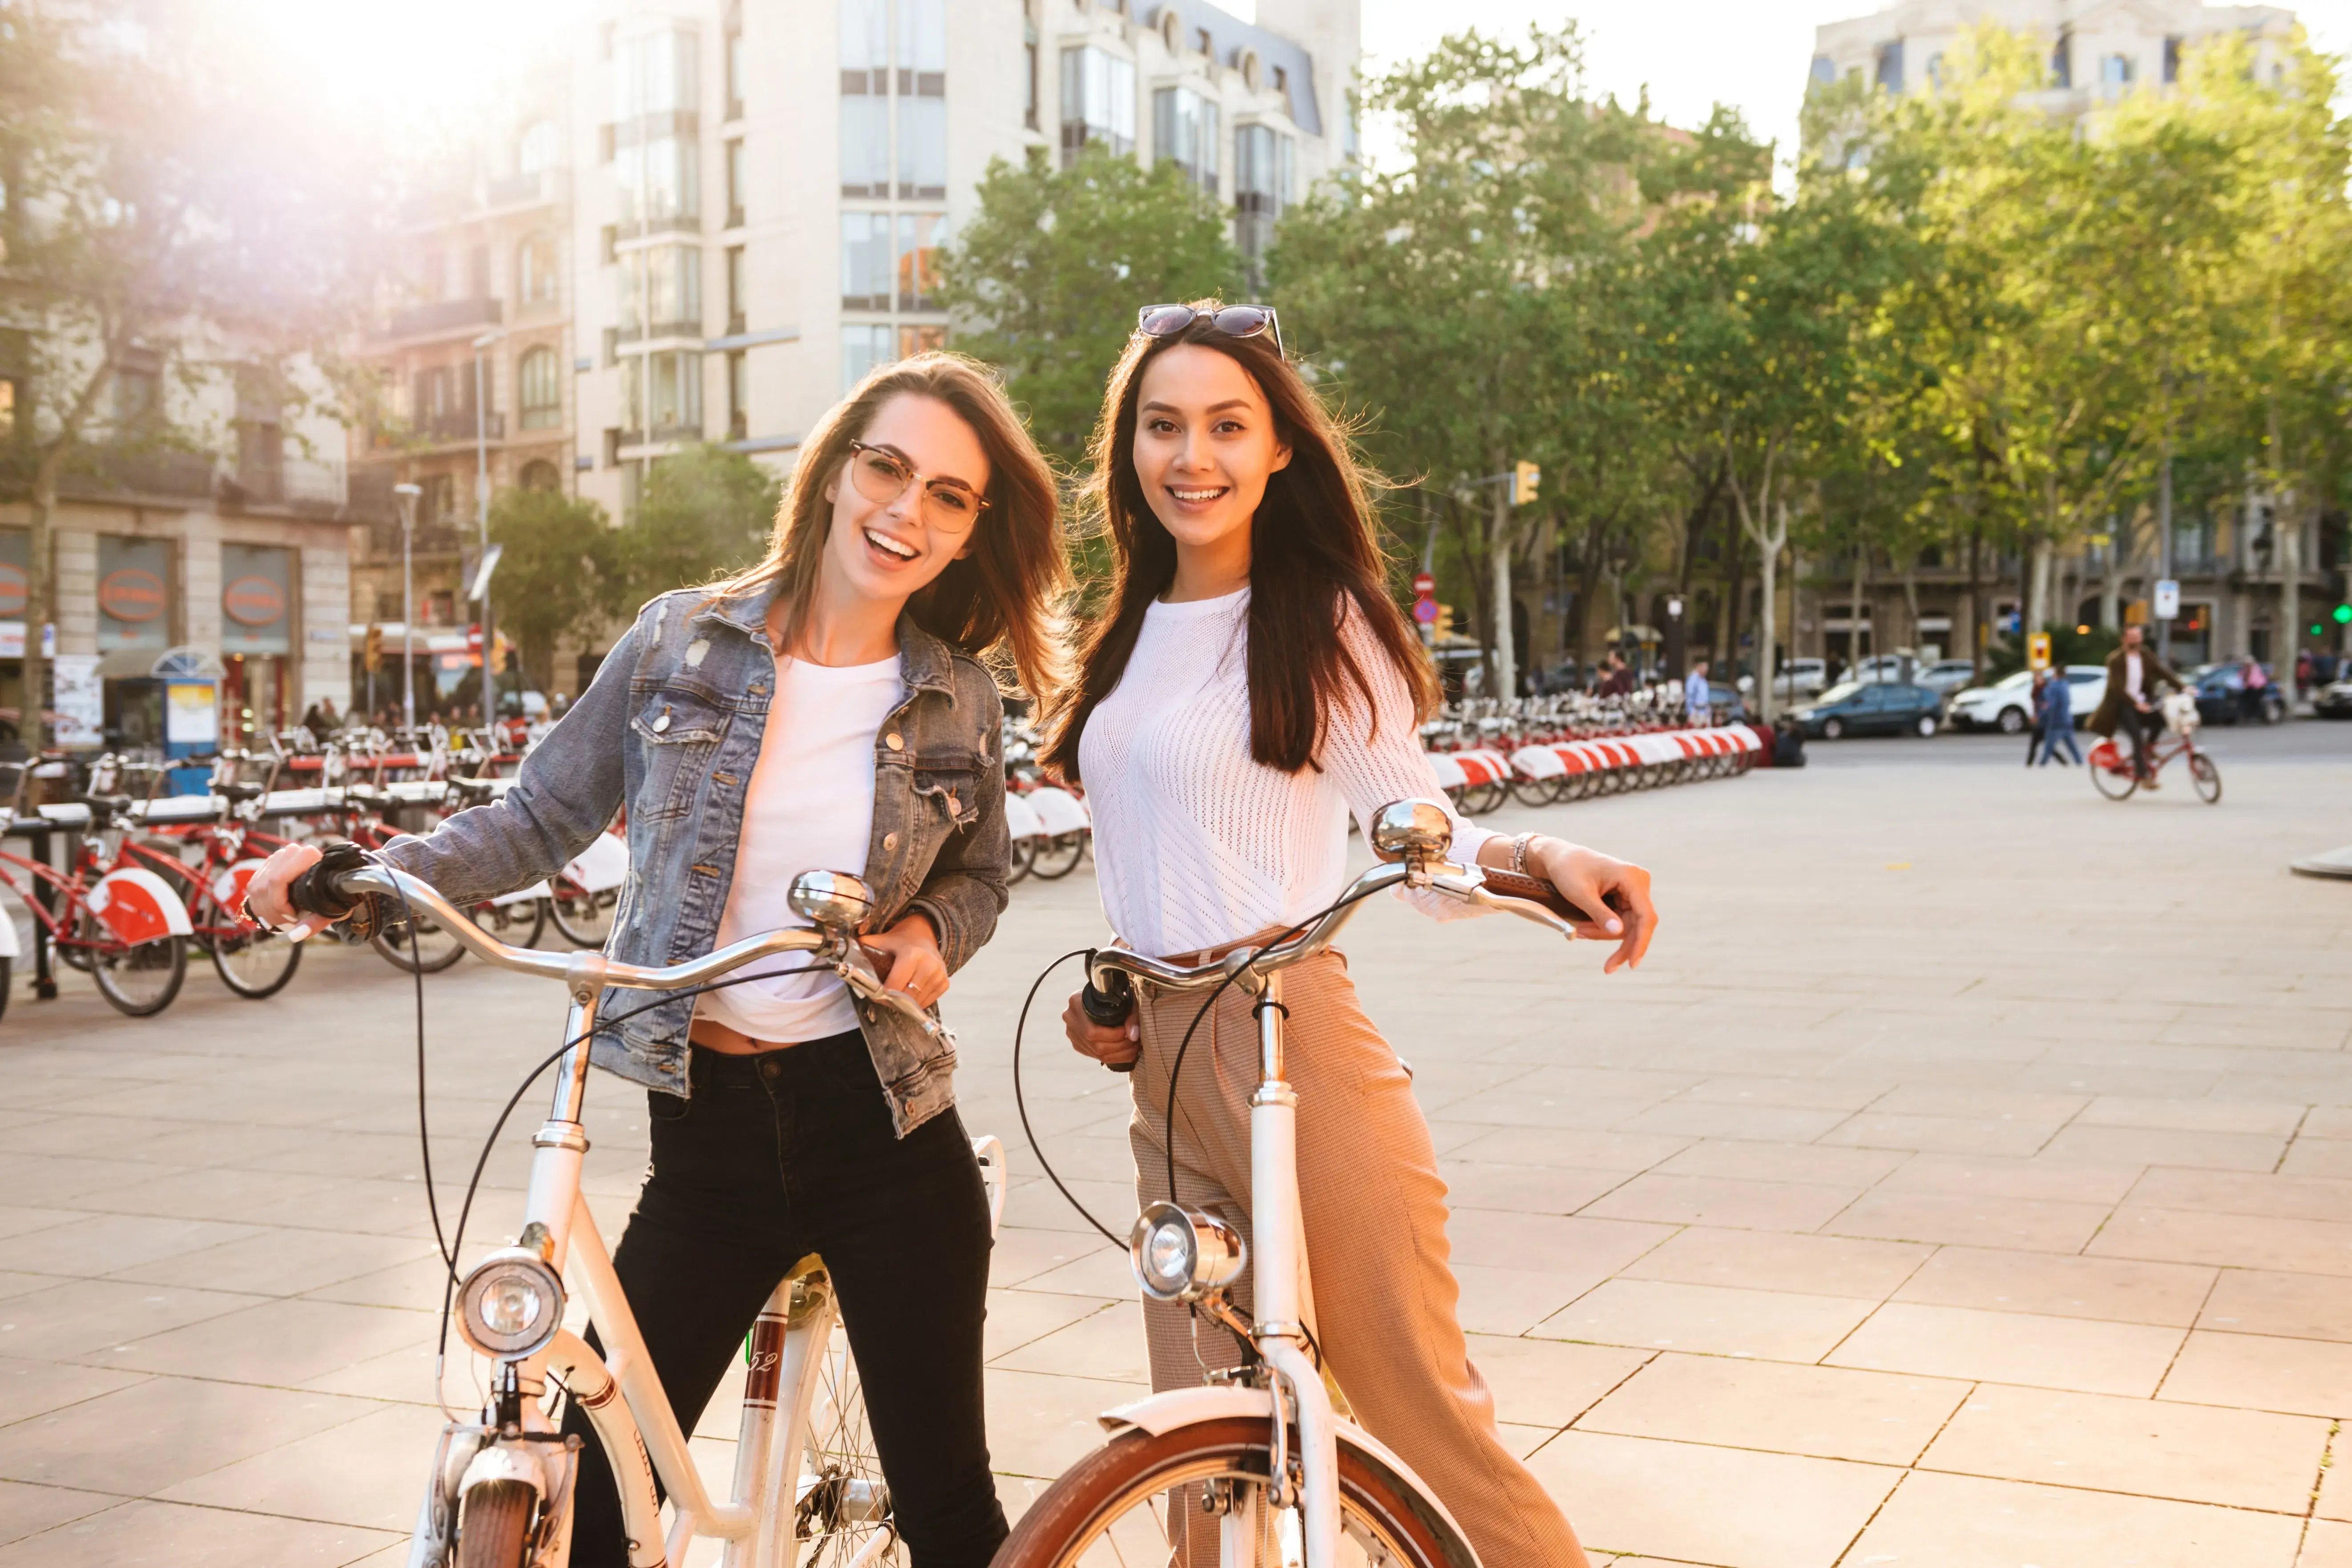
(764,186)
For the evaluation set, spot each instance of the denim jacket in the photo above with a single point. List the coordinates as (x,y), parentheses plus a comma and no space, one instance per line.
(671,728)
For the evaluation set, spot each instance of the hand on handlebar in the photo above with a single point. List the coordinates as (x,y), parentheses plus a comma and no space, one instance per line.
(266,899)
(1613,895)
(907,959)
(1109,1044)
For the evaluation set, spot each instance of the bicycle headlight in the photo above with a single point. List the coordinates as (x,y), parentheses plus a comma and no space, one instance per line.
(1182,1255)
(510,1304)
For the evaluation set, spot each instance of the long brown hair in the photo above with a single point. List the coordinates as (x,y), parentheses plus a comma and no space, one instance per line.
(1312,552)
(1004,592)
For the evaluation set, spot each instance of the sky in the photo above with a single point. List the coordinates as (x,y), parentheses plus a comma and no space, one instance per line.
(1693,54)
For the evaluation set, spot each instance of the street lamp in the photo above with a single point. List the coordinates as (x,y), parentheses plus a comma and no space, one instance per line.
(408,495)
(482,518)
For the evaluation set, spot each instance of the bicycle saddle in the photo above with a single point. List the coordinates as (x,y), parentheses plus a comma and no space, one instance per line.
(239,793)
(105,808)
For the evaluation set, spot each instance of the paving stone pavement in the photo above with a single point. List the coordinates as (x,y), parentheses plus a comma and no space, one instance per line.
(1965,1182)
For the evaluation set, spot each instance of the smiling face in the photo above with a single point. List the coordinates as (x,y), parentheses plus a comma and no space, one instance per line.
(890,550)
(1204,447)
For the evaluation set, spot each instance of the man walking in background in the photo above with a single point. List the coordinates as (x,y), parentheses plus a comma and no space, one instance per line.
(1698,707)
(2055,706)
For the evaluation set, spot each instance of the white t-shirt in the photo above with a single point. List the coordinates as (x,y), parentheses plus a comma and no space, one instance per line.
(1697,704)
(1198,844)
(2131,675)
(809,807)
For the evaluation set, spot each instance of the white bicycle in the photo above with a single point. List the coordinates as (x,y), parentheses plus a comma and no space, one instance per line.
(808,1491)
(1256,1469)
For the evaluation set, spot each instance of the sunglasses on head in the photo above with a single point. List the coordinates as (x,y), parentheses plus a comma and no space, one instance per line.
(1233,321)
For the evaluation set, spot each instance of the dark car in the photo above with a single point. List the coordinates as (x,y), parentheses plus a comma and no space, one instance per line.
(2334,701)
(2222,697)
(1871,707)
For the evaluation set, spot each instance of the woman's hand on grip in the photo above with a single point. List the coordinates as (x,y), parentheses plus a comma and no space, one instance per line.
(1614,895)
(1105,1043)
(906,957)
(265,900)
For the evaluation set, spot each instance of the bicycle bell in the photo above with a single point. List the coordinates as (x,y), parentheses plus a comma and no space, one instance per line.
(1411,830)
(834,900)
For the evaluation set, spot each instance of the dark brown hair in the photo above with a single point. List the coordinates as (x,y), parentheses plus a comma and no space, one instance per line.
(1312,553)
(1006,591)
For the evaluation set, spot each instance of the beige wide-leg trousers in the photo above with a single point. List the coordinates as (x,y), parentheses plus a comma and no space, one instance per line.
(1385,1303)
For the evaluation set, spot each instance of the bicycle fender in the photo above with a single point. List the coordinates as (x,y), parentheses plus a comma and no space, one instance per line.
(1191,1406)
(1020,818)
(7,935)
(135,905)
(603,866)
(228,888)
(522,895)
(1060,811)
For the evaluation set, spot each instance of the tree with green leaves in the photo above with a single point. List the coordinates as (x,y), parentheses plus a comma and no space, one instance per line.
(705,513)
(154,209)
(1047,277)
(557,557)
(1455,300)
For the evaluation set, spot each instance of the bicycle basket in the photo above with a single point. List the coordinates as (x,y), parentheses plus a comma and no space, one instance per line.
(2180,714)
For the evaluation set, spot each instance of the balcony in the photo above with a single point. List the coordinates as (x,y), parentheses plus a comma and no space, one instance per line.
(432,539)
(446,316)
(459,426)
(107,473)
(304,484)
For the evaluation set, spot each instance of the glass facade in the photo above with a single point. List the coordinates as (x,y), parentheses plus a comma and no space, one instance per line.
(917,259)
(664,395)
(1266,164)
(661,292)
(862,348)
(894,148)
(865,261)
(1184,133)
(538,390)
(660,182)
(655,74)
(1097,101)
(864,98)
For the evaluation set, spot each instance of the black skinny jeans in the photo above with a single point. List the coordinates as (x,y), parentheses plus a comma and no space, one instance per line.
(774,1157)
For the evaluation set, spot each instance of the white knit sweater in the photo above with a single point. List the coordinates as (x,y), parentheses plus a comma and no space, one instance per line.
(1196,843)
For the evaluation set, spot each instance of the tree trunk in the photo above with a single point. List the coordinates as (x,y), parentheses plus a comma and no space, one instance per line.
(1976,621)
(1767,625)
(2037,589)
(1911,598)
(1853,615)
(2286,549)
(40,600)
(1498,552)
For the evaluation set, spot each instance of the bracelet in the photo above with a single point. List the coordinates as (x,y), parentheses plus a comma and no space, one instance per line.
(1519,853)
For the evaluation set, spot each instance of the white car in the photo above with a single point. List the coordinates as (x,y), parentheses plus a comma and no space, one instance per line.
(1794,678)
(1947,675)
(2007,705)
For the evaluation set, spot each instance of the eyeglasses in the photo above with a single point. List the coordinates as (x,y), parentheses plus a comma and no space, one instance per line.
(1233,321)
(881,475)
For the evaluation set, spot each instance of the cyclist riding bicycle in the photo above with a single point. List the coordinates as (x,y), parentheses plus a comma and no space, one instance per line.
(919,533)
(2134,673)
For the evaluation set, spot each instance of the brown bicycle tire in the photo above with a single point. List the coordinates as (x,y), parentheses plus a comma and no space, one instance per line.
(1062,1520)
(495,1529)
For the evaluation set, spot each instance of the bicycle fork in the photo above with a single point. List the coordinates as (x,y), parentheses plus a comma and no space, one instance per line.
(1280,1331)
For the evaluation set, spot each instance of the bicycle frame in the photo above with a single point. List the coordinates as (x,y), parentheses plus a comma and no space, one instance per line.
(1282,1294)
(620,1394)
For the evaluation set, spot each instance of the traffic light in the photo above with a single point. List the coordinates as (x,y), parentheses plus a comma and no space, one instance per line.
(1524,477)
(374,646)
(1444,622)
(2343,615)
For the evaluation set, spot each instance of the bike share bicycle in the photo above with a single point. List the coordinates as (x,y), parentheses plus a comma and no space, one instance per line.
(2115,772)
(808,1491)
(1259,1456)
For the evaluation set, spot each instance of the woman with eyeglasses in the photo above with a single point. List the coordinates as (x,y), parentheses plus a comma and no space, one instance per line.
(827,709)
(1249,683)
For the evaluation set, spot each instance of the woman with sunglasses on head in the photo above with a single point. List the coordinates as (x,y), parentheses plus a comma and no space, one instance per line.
(1249,683)
(826,709)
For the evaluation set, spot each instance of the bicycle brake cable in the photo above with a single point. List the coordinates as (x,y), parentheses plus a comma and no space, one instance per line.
(1020,1103)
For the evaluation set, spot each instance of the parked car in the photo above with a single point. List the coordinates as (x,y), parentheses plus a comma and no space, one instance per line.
(2007,705)
(2222,697)
(1947,675)
(2334,701)
(1794,678)
(1871,707)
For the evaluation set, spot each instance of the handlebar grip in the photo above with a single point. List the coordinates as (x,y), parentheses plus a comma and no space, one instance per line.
(1534,890)
(316,891)
(1110,1007)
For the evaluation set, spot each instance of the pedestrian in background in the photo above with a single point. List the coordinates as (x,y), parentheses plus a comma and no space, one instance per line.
(1698,708)
(2038,704)
(2056,707)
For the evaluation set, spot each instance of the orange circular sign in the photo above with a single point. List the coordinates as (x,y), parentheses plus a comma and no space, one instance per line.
(254,602)
(130,595)
(12,590)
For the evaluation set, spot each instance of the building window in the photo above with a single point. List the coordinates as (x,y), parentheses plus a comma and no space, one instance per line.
(736,184)
(1097,101)
(2061,62)
(865,261)
(923,145)
(139,392)
(1265,162)
(655,75)
(664,395)
(1935,70)
(738,395)
(864,98)
(736,292)
(535,271)
(659,183)
(862,348)
(1824,70)
(2172,60)
(1029,81)
(2116,72)
(919,259)
(661,292)
(918,338)
(1184,133)
(538,390)
(1890,66)
(737,66)
(478,272)
(539,474)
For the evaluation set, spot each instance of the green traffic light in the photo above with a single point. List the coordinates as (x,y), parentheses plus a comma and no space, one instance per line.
(2344,614)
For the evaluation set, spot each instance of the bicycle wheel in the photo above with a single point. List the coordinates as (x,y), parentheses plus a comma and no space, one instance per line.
(1136,1499)
(584,918)
(138,980)
(2112,772)
(518,924)
(1479,799)
(436,950)
(1538,792)
(2206,777)
(1024,855)
(1055,858)
(255,962)
(494,1530)
(843,1500)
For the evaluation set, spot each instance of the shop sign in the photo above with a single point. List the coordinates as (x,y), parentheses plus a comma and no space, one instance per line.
(14,589)
(80,705)
(130,595)
(254,600)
